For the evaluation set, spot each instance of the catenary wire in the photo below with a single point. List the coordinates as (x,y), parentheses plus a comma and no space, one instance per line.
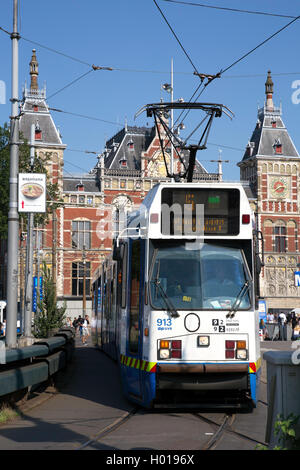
(85,116)
(176,37)
(235,10)
(69,84)
(259,45)
(118,69)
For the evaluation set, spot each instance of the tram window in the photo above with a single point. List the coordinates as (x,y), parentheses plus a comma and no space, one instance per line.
(209,278)
(124,277)
(134,297)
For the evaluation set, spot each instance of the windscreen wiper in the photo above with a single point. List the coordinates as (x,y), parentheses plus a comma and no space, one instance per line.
(166,299)
(244,289)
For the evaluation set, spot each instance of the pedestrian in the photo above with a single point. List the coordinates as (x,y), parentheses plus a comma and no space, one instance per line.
(79,324)
(263,329)
(296,330)
(4,327)
(85,329)
(282,326)
(270,318)
(75,325)
(1,329)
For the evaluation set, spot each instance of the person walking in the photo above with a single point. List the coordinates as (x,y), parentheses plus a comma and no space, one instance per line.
(282,326)
(85,330)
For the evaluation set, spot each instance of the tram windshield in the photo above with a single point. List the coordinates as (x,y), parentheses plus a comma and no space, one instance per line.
(206,278)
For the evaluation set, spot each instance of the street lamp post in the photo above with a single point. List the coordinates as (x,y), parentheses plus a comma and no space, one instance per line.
(13,215)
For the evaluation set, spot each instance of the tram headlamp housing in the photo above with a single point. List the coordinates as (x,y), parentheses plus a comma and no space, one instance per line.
(164,354)
(203,341)
(241,354)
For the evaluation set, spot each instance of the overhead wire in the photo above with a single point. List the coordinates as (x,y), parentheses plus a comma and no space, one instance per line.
(176,37)
(236,10)
(85,116)
(69,84)
(259,45)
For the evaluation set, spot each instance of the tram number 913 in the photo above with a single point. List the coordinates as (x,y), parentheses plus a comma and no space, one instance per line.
(218,325)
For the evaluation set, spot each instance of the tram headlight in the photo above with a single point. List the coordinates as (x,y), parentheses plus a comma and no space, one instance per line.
(203,341)
(164,354)
(241,354)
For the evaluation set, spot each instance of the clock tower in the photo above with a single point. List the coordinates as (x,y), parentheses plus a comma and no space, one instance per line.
(271,164)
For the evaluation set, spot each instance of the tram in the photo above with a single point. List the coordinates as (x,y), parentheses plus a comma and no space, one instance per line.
(175,303)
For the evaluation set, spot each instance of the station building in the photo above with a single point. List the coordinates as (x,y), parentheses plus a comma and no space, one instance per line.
(271,165)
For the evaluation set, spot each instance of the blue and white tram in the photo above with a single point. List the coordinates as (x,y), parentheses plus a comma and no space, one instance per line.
(175,303)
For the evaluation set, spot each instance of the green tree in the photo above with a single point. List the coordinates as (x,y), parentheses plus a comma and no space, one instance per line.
(49,317)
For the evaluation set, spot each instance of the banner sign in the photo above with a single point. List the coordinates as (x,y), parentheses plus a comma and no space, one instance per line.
(32,192)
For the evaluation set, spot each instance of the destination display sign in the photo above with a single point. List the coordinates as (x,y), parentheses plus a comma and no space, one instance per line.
(200,211)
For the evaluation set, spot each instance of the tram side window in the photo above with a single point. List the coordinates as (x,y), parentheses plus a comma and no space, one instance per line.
(134,297)
(124,277)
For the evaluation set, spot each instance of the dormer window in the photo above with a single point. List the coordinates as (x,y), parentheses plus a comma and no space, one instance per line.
(123,163)
(38,133)
(250,147)
(130,144)
(80,186)
(277,146)
(115,145)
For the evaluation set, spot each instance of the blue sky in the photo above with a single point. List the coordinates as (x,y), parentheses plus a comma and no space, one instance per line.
(132,37)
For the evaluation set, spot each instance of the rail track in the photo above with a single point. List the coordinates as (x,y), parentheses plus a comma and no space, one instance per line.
(223,427)
(226,427)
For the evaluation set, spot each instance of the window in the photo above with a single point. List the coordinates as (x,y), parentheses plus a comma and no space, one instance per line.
(135,297)
(124,277)
(280,239)
(79,272)
(38,134)
(277,146)
(213,277)
(81,234)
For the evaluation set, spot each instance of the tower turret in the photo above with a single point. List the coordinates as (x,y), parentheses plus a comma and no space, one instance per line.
(269,92)
(34,71)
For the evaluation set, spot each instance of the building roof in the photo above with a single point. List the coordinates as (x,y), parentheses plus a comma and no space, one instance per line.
(270,137)
(34,110)
(90,183)
(127,145)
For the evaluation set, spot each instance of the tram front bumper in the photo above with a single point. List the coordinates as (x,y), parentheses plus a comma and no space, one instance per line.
(203,377)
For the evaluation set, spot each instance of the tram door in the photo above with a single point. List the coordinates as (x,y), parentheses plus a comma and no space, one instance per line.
(134,325)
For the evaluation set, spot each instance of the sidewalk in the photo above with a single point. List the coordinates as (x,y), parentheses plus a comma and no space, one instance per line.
(89,399)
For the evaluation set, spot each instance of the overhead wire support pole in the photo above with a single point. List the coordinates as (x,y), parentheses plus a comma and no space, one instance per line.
(13,215)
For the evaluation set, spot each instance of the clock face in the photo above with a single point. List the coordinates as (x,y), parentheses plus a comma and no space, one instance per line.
(278,187)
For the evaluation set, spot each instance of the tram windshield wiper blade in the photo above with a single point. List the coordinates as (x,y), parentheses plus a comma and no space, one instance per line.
(244,289)
(168,302)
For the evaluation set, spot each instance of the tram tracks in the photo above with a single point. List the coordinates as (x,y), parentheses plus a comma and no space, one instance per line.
(223,428)
(109,428)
